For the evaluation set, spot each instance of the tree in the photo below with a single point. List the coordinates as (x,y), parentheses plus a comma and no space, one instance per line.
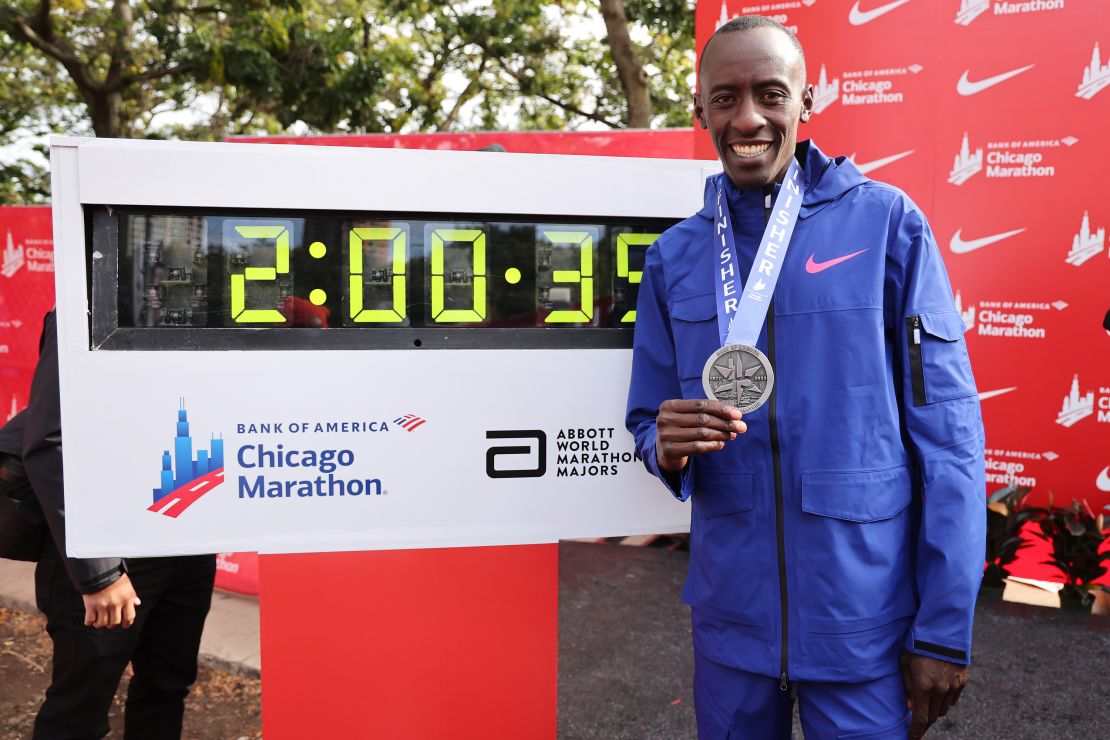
(205,69)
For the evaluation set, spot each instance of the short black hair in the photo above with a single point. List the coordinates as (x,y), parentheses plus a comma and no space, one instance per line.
(747,23)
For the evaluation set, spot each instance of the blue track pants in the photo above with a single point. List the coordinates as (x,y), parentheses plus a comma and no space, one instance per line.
(736,705)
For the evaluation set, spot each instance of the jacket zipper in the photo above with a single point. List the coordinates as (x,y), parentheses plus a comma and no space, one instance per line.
(917,369)
(776,464)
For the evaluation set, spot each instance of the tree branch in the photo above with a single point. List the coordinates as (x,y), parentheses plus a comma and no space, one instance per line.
(42,38)
(569,107)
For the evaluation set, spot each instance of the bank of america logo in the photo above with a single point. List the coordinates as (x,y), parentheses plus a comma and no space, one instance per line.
(13,258)
(825,92)
(725,18)
(1095,77)
(1086,244)
(186,478)
(966,163)
(968,314)
(1076,405)
(410,422)
(970,10)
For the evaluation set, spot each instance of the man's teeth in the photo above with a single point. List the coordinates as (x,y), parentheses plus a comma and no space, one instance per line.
(749,151)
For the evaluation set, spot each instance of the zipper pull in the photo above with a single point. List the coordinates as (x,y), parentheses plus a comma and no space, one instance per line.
(767,201)
(917,330)
(784,683)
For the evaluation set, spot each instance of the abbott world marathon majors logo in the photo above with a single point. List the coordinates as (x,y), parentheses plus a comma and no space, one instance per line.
(1007,159)
(1009,319)
(579,452)
(881,86)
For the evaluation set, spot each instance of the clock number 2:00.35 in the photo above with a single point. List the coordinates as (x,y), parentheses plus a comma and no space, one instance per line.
(442,240)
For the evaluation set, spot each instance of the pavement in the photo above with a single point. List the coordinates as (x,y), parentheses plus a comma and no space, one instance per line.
(626,666)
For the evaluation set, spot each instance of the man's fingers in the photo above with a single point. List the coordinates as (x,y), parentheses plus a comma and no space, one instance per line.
(101,617)
(945,703)
(90,616)
(129,613)
(955,693)
(699,406)
(936,698)
(677,450)
(919,722)
(115,615)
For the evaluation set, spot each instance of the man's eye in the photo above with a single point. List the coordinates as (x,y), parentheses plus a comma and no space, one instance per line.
(774,97)
(722,100)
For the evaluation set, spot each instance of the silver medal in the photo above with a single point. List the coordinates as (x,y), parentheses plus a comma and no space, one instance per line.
(738,375)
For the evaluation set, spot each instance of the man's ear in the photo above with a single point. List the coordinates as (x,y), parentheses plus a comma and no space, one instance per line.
(807,103)
(699,111)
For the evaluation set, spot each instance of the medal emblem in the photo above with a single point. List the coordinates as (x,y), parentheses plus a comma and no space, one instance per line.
(738,375)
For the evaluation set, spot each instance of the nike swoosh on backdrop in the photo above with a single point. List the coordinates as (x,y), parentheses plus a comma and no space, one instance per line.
(991,394)
(858,17)
(959,246)
(865,167)
(967,87)
(813,267)
(1103,480)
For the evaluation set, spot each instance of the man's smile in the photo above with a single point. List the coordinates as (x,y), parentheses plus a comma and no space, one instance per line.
(749,150)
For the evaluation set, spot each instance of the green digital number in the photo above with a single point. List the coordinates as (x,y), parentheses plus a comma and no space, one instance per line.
(239,311)
(624,241)
(583,276)
(476,240)
(400,256)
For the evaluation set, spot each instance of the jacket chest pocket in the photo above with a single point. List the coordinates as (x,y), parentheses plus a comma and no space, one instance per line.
(696,336)
(939,366)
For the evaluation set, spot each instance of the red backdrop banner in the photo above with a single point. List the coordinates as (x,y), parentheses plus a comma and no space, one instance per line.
(26,294)
(991,115)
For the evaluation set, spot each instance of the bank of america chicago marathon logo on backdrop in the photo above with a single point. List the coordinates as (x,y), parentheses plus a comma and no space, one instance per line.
(1096,76)
(1078,405)
(1087,243)
(580,452)
(969,10)
(1007,159)
(36,255)
(185,478)
(1012,319)
(1008,467)
(774,11)
(877,86)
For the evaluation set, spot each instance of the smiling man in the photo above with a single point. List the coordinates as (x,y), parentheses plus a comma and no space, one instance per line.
(799,372)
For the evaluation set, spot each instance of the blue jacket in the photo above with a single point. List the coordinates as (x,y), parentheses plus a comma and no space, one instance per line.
(849,522)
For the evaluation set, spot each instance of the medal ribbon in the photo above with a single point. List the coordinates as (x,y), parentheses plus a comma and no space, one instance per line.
(740,319)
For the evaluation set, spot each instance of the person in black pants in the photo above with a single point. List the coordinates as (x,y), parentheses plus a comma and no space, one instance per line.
(102,613)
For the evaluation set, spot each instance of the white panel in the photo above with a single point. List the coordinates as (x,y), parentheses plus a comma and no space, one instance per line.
(432,488)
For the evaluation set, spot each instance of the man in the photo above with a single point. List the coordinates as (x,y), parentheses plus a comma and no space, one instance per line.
(102,613)
(837,534)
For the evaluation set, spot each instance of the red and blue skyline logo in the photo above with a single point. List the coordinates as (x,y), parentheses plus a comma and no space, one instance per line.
(186,478)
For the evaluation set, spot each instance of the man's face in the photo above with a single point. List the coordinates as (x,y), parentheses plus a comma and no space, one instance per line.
(752,96)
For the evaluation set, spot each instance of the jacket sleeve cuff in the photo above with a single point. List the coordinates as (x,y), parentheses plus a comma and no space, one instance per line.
(919,645)
(103,580)
(680,483)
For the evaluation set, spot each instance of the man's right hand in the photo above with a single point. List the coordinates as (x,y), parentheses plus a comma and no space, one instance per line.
(113,606)
(687,427)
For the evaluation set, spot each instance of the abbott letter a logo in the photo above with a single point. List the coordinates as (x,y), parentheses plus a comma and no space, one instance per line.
(535,450)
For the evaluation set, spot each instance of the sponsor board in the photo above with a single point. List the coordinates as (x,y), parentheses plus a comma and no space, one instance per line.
(1011,467)
(1087,243)
(34,255)
(1096,76)
(778,11)
(1008,159)
(1007,319)
(862,87)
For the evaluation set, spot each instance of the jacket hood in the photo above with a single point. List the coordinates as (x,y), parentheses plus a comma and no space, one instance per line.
(825,179)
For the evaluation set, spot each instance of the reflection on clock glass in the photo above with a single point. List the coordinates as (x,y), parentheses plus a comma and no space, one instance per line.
(244,270)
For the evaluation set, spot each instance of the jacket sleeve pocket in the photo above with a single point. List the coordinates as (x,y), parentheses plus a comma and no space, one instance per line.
(720,494)
(857,496)
(939,365)
(696,336)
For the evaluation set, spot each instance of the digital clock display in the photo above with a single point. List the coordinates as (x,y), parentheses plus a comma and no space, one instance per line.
(183,270)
